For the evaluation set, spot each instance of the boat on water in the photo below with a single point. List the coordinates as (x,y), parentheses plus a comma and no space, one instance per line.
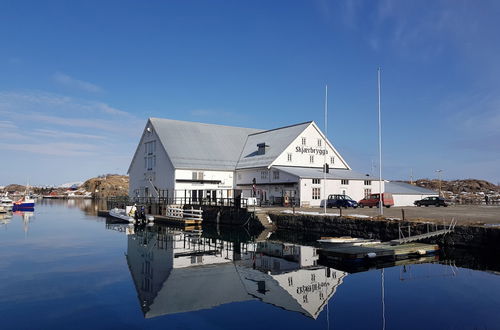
(26,202)
(346,241)
(6,203)
(128,214)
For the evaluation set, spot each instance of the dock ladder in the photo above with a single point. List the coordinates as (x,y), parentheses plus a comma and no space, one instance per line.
(402,240)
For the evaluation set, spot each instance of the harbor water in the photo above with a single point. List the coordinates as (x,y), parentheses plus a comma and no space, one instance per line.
(62,267)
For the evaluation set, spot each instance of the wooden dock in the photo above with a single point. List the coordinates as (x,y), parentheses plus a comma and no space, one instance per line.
(378,251)
(178,221)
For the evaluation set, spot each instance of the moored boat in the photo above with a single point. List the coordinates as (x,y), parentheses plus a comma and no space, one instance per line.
(346,241)
(6,203)
(127,214)
(25,202)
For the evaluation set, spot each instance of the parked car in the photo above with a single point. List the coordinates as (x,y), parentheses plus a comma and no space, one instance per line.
(341,201)
(373,200)
(437,201)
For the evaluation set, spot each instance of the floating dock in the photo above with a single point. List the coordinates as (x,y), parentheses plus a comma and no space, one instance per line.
(378,251)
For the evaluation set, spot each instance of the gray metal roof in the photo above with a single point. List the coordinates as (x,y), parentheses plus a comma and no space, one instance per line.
(194,145)
(317,173)
(407,189)
(276,141)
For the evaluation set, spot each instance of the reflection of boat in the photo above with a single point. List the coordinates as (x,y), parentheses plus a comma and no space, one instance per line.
(2,209)
(346,241)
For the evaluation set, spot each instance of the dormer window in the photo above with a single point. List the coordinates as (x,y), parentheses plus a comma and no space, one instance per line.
(261,148)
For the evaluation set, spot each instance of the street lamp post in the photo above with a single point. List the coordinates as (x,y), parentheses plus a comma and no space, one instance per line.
(439,178)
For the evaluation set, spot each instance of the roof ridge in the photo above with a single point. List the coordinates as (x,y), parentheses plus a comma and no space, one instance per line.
(200,123)
(275,129)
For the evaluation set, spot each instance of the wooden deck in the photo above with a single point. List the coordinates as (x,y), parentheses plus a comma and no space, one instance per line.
(377,251)
(178,221)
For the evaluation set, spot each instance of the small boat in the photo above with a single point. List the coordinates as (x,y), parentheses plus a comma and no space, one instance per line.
(6,203)
(25,202)
(346,241)
(127,215)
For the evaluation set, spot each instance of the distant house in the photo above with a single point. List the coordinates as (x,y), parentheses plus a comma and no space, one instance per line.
(188,160)
(405,194)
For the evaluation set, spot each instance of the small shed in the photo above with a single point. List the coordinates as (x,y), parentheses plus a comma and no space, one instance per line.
(405,194)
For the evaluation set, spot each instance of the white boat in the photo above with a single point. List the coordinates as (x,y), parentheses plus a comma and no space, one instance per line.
(346,241)
(6,203)
(127,214)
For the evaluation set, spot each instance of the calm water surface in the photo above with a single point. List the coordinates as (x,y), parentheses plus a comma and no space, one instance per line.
(63,267)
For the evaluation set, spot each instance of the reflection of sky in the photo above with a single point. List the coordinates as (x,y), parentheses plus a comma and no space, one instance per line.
(71,272)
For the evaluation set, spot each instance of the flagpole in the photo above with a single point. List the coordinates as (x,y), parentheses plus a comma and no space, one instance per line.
(324,154)
(380,203)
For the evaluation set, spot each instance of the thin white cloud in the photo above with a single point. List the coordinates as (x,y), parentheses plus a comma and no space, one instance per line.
(52,149)
(69,81)
(4,124)
(63,134)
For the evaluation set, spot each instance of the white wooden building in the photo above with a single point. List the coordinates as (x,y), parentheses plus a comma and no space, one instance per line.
(179,159)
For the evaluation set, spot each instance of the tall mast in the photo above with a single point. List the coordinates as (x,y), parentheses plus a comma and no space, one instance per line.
(324,154)
(381,206)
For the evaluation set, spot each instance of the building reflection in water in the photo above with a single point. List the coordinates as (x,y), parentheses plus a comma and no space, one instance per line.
(178,271)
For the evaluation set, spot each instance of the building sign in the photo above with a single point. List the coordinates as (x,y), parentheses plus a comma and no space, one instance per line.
(312,287)
(311,150)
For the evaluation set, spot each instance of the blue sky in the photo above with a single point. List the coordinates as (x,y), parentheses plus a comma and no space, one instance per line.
(79,79)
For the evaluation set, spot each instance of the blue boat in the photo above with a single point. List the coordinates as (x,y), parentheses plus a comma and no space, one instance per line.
(25,203)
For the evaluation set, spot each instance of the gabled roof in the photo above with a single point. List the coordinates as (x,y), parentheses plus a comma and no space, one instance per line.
(276,140)
(194,145)
(403,188)
(317,173)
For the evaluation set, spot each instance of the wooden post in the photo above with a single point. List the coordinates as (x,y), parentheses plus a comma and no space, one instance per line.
(403,213)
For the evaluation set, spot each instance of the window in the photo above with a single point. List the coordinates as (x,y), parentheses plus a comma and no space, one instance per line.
(368,192)
(150,147)
(290,281)
(239,176)
(332,160)
(316,193)
(263,175)
(313,277)
(316,181)
(311,159)
(319,142)
(150,162)
(303,141)
(276,175)
(344,181)
(197,176)
(368,182)
(289,157)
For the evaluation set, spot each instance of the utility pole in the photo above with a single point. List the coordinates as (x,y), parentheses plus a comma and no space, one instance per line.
(439,178)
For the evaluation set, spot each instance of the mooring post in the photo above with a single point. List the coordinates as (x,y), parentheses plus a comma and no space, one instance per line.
(403,213)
